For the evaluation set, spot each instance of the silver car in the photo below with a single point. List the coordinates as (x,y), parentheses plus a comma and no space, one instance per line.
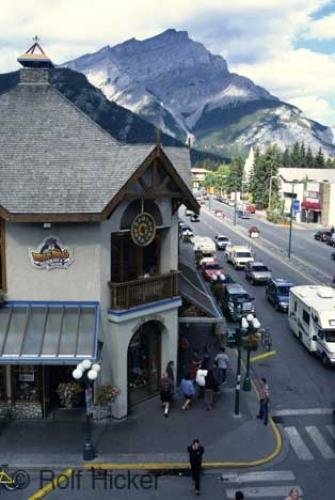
(257,273)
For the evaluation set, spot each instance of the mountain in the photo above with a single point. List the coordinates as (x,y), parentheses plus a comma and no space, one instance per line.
(176,84)
(119,122)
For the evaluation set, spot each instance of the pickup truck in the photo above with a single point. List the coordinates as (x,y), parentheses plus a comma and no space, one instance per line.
(239,255)
(257,272)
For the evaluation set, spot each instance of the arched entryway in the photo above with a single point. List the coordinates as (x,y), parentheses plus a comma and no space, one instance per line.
(144,362)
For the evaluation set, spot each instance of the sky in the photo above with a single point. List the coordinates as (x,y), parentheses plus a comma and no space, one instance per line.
(286,46)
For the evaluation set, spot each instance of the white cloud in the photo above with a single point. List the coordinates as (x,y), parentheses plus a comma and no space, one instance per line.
(322,29)
(256,36)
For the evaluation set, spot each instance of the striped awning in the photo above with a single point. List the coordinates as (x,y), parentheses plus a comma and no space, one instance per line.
(48,333)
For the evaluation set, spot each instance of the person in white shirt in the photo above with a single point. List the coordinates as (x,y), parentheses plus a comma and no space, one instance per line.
(222,360)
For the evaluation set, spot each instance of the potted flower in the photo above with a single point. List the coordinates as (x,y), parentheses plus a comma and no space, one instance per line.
(68,393)
(104,396)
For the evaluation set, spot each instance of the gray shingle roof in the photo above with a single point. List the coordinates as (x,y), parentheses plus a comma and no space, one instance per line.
(55,160)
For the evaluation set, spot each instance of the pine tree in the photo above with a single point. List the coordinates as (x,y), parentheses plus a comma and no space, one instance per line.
(265,168)
(309,158)
(302,155)
(286,158)
(296,156)
(320,159)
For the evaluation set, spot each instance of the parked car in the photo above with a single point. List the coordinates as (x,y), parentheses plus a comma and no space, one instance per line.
(230,203)
(221,241)
(331,241)
(219,214)
(257,272)
(322,235)
(211,270)
(243,214)
(187,231)
(195,218)
(277,293)
(333,255)
(236,302)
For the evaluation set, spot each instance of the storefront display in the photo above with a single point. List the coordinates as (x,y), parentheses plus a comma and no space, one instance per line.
(26,383)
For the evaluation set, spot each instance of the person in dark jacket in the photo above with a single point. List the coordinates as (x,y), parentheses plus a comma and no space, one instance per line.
(166,392)
(170,371)
(196,452)
(210,388)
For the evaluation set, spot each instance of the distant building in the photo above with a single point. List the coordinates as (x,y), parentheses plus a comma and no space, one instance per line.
(315,191)
(198,176)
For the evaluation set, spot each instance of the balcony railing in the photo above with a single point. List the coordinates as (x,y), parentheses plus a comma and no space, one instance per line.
(142,291)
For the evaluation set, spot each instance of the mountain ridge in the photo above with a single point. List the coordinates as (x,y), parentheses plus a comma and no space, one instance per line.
(176,83)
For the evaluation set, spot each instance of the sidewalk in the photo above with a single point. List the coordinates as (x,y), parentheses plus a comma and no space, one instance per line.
(149,439)
(315,226)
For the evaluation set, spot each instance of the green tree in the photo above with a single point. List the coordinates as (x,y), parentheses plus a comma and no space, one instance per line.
(309,158)
(286,158)
(296,156)
(302,155)
(235,174)
(320,159)
(265,171)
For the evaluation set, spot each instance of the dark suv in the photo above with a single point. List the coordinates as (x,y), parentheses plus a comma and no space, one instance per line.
(277,293)
(236,302)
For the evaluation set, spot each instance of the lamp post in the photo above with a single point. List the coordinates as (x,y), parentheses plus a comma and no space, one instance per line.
(249,324)
(293,196)
(238,337)
(89,372)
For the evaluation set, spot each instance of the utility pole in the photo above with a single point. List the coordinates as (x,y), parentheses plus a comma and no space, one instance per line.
(238,337)
(291,223)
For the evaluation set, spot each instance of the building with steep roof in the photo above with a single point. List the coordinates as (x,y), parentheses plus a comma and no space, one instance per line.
(88,250)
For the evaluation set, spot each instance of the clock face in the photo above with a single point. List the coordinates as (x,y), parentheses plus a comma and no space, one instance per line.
(143,229)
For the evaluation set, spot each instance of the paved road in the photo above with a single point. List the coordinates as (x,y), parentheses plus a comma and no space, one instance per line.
(302,389)
(303,244)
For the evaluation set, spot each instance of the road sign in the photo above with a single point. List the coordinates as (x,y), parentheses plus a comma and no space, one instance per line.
(296,206)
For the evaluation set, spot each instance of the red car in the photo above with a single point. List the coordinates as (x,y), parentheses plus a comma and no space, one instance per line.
(210,270)
(251,209)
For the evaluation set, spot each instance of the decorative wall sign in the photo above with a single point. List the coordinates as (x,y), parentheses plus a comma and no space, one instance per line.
(51,255)
(143,229)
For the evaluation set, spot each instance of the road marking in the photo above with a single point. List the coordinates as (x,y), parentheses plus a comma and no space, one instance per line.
(297,444)
(263,491)
(320,442)
(264,355)
(331,430)
(265,476)
(302,411)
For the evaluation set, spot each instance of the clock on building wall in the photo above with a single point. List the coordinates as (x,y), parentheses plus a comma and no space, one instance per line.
(143,229)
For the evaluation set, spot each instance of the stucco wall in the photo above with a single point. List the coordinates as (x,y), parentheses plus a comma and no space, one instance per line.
(79,282)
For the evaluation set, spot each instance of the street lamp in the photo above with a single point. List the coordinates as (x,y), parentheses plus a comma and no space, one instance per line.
(238,339)
(293,196)
(251,325)
(89,372)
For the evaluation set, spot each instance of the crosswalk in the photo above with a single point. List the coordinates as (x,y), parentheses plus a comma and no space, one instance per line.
(269,485)
(311,442)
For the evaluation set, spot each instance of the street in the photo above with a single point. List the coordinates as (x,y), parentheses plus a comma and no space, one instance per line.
(302,399)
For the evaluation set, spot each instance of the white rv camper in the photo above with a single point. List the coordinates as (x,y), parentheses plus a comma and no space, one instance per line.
(311,317)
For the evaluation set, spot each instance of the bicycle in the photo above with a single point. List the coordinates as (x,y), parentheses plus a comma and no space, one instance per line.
(19,479)
(266,339)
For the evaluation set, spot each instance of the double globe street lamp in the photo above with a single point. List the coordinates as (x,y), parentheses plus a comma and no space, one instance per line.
(249,325)
(89,372)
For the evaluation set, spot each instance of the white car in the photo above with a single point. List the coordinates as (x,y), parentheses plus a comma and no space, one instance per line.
(221,241)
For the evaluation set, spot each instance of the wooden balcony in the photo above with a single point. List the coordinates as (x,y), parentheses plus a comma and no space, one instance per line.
(142,291)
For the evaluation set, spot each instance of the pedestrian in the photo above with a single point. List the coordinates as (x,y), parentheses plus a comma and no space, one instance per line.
(196,452)
(166,393)
(210,387)
(206,357)
(239,495)
(170,371)
(264,395)
(222,360)
(332,230)
(195,365)
(200,379)
(188,390)
(293,494)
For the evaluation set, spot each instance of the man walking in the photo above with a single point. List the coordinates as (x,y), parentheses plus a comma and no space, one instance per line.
(223,362)
(195,454)
(264,395)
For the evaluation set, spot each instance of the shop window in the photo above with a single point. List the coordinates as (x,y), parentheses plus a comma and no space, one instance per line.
(2,255)
(2,383)
(26,383)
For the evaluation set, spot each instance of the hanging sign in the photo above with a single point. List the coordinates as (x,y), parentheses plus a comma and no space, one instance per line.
(51,254)
(143,229)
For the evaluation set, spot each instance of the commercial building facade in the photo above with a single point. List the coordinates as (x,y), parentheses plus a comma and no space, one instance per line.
(88,250)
